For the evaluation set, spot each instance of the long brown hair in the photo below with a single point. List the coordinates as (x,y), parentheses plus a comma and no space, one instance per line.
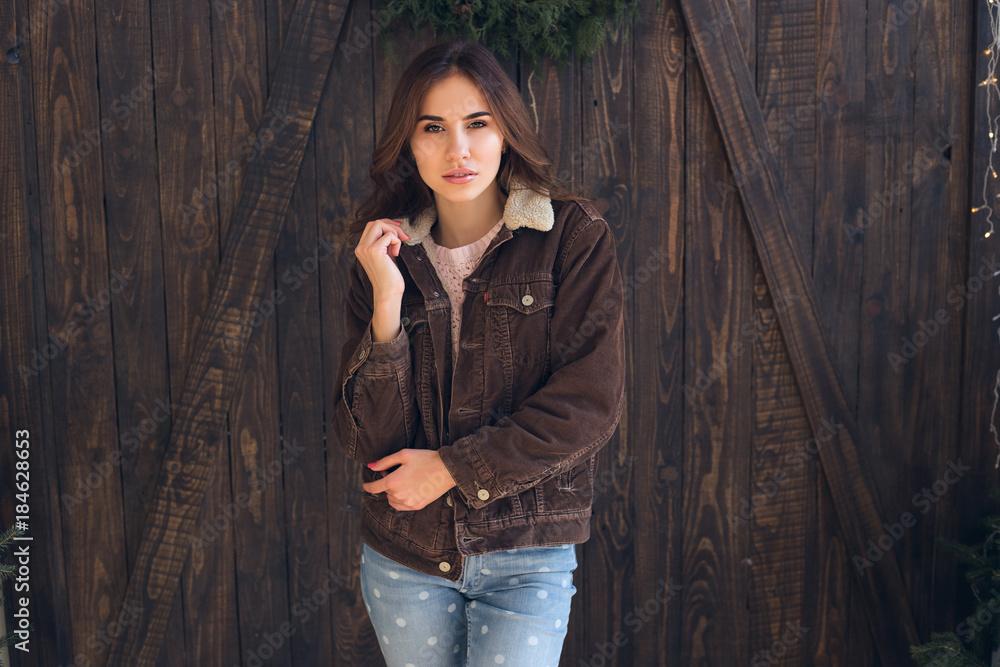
(398,189)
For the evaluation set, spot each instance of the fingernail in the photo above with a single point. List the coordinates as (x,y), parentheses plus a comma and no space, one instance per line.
(373,464)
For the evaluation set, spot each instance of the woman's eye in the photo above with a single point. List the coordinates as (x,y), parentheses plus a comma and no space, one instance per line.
(431,126)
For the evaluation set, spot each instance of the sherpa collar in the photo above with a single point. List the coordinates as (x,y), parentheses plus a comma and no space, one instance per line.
(524,208)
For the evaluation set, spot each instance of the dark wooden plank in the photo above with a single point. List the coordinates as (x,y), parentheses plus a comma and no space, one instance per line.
(219,353)
(978,447)
(128,84)
(655,310)
(886,399)
(834,614)
(718,277)
(777,512)
(77,279)
(25,387)
(937,246)
(189,178)
(239,48)
(604,153)
(345,129)
(313,587)
(741,124)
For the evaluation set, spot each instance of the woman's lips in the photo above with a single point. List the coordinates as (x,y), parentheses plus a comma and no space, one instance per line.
(462,178)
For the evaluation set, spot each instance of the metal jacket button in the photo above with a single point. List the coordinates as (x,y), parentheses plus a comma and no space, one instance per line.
(405,321)
(447,499)
(527,299)
(444,566)
(437,294)
(483,494)
(362,353)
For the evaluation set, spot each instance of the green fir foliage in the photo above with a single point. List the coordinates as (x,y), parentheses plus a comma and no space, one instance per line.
(975,636)
(7,572)
(541,28)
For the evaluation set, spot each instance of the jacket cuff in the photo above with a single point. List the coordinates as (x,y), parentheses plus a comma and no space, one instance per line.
(386,358)
(473,480)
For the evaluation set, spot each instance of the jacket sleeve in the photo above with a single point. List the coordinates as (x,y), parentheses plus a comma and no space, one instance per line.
(577,411)
(374,405)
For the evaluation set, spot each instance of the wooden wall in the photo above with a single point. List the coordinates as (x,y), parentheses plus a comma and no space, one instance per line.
(126,130)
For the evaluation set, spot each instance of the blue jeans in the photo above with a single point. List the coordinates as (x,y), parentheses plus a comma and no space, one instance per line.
(509,608)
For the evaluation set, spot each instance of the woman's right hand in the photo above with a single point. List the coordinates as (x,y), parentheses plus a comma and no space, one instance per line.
(378,246)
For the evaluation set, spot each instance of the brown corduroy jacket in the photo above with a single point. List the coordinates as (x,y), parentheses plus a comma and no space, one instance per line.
(537,388)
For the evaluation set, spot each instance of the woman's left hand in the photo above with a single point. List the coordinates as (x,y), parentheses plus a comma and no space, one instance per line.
(420,479)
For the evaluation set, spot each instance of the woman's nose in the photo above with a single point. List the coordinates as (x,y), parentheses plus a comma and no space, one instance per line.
(458,147)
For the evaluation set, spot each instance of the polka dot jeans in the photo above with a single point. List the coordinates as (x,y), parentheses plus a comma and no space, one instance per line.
(509,608)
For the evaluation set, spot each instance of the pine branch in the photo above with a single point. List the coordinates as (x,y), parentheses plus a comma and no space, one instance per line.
(944,650)
(7,537)
(540,28)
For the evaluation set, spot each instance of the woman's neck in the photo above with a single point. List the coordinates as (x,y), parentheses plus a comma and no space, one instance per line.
(462,223)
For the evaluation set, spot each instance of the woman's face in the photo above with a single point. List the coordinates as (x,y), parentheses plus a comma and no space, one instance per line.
(456,131)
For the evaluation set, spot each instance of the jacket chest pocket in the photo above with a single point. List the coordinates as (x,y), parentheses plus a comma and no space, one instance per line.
(520,316)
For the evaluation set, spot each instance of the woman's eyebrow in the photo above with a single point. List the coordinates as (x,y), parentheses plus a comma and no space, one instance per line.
(475,114)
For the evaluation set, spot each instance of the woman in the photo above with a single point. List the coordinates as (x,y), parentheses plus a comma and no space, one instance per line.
(483,369)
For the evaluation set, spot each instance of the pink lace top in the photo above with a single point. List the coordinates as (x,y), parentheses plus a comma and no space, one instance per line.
(453,265)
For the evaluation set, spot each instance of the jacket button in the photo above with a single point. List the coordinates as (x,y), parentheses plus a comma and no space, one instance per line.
(405,321)
(447,499)
(362,353)
(437,294)
(483,494)
(444,566)
(527,299)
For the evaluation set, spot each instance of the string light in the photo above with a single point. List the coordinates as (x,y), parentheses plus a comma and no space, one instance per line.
(992,117)
(993,123)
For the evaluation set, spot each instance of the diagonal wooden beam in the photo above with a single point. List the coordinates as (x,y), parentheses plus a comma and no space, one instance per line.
(218,355)
(741,124)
